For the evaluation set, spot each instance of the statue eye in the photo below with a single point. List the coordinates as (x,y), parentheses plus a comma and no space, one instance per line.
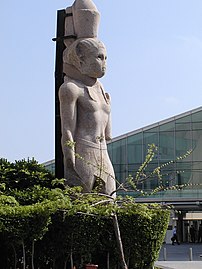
(102,57)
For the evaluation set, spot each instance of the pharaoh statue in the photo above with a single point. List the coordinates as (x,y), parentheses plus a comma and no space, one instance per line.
(84,104)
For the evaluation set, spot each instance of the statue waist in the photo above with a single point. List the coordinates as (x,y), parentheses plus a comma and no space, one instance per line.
(100,146)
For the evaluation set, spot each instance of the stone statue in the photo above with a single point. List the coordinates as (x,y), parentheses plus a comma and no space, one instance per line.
(85,110)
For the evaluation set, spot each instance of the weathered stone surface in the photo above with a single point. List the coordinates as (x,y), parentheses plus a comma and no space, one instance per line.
(84,105)
(86,18)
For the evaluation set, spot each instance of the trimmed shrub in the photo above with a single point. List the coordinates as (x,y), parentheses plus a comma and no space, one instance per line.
(91,239)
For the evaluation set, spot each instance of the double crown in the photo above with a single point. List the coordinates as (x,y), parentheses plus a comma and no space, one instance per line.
(82,20)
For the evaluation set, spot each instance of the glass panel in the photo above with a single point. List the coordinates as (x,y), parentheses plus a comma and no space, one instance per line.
(183,142)
(168,126)
(149,184)
(183,126)
(120,172)
(51,167)
(197,125)
(185,178)
(135,139)
(184,119)
(184,174)
(197,145)
(183,166)
(152,180)
(197,116)
(152,130)
(166,146)
(167,168)
(149,138)
(133,168)
(134,153)
(197,174)
(134,149)
(151,166)
(169,178)
(119,152)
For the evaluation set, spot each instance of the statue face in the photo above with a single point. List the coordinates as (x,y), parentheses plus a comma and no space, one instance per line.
(93,62)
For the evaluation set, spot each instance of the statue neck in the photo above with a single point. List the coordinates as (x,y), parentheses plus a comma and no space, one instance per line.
(75,74)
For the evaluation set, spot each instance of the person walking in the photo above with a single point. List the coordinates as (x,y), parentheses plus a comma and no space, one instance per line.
(192,234)
(200,234)
(174,238)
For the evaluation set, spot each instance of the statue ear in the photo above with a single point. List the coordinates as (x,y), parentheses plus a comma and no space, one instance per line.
(80,52)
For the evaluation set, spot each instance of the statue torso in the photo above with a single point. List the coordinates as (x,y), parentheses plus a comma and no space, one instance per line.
(93,109)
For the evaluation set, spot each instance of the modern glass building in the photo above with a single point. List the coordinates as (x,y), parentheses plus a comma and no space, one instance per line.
(173,138)
(50,165)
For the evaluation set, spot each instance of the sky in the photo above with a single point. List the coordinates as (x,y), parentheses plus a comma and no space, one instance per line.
(154,67)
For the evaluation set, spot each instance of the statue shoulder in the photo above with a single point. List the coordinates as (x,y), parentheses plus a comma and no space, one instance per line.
(69,89)
(106,94)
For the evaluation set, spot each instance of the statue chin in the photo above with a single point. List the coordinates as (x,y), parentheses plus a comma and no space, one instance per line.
(93,74)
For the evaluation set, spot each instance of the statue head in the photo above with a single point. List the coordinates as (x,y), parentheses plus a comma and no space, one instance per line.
(88,55)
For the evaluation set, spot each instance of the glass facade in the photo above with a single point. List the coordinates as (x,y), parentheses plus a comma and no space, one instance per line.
(173,138)
(50,165)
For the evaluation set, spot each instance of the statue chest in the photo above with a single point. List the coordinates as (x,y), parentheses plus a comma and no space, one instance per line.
(93,99)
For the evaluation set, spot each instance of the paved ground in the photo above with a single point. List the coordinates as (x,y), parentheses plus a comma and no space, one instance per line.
(178,256)
(180,265)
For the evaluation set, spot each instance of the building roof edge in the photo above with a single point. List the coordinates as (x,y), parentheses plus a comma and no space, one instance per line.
(153,125)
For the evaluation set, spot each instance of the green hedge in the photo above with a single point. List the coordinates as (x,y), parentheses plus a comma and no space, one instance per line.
(91,239)
(65,228)
(42,219)
(143,233)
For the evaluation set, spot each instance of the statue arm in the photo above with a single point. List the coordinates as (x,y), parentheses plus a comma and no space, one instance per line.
(68,95)
(108,129)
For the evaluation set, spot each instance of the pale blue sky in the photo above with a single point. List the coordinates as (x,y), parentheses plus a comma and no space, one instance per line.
(154,67)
